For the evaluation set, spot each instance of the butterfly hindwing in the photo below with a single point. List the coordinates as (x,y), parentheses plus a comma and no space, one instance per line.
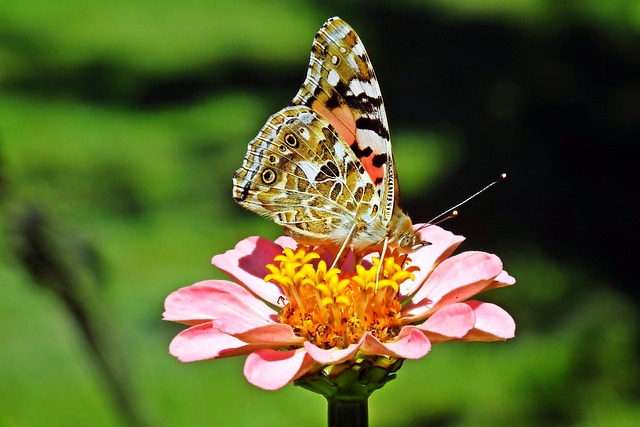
(300,172)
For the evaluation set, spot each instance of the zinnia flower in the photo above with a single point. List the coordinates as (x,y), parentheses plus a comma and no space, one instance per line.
(296,318)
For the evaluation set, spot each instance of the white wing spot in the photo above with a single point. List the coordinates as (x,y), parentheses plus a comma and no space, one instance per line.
(304,133)
(358,87)
(306,117)
(310,169)
(372,139)
(333,78)
(339,151)
(358,49)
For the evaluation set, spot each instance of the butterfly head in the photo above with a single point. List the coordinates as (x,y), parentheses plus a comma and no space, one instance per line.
(411,242)
(402,233)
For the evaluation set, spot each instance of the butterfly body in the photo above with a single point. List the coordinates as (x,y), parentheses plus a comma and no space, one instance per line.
(323,167)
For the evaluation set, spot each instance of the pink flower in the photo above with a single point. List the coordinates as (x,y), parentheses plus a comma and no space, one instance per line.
(292,315)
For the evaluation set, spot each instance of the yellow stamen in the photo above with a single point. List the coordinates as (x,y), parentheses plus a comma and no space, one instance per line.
(332,308)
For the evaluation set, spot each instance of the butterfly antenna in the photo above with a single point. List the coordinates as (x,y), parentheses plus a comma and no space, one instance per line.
(451,212)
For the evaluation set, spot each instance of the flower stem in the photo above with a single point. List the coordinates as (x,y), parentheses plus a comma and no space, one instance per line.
(348,413)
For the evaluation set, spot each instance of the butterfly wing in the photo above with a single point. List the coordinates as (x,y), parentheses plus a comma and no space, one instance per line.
(323,168)
(302,174)
(342,87)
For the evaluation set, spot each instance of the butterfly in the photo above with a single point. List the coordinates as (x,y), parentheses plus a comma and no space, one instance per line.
(323,167)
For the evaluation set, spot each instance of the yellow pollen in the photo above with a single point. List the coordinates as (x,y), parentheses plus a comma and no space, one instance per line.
(332,308)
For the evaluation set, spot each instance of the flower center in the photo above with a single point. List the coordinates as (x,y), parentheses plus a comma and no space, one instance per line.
(332,308)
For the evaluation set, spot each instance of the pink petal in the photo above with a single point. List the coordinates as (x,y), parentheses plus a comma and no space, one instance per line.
(271,370)
(275,334)
(452,321)
(234,310)
(454,280)
(411,343)
(501,281)
(246,264)
(204,342)
(443,243)
(215,299)
(493,323)
(333,355)
(190,305)
(286,242)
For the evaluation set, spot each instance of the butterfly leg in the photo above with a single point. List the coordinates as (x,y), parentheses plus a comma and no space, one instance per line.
(383,252)
(342,253)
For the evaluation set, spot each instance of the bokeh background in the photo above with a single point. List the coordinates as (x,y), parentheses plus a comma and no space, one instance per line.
(121,124)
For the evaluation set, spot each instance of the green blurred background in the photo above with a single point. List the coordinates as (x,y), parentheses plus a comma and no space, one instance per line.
(121,124)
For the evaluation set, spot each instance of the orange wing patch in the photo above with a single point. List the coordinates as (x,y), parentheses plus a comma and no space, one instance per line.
(344,122)
(341,119)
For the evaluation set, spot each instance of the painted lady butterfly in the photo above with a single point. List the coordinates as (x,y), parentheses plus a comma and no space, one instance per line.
(323,167)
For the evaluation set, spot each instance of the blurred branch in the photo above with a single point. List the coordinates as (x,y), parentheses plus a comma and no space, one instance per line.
(71,269)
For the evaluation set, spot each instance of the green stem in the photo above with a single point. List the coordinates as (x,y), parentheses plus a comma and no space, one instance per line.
(348,413)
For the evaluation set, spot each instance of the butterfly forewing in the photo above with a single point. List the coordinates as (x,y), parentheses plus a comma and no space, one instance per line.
(342,87)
